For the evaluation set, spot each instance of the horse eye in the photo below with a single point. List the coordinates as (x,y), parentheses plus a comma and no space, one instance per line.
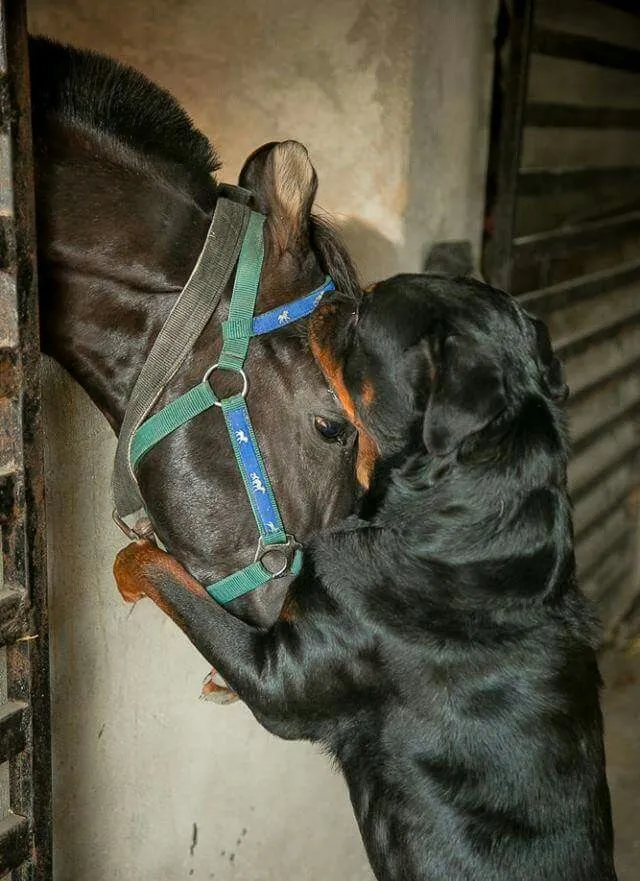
(329,429)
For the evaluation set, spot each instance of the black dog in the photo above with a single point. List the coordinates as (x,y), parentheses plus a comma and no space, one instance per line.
(437,645)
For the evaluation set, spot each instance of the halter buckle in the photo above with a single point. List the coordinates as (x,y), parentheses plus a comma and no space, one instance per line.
(276,558)
(218,366)
(141,530)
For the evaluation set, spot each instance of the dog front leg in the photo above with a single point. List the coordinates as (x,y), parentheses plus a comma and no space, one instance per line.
(257,665)
(142,569)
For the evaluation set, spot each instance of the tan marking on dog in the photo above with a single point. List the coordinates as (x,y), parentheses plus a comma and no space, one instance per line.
(367,448)
(368,455)
(289,611)
(368,392)
(135,566)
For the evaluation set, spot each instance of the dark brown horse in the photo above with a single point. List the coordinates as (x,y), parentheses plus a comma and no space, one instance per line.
(125,192)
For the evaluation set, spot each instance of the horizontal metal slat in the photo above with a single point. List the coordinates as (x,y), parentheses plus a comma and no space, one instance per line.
(8,320)
(609,378)
(561,80)
(568,293)
(559,44)
(576,304)
(6,192)
(608,538)
(610,568)
(610,571)
(583,148)
(557,181)
(576,344)
(612,487)
(607,355)
(9,373)
(623,459)
(613,590)
(14,842)
(592,18)
(13,615)
(9,446)
(543,114)
(590,414)
(7,494)
(12,737)
(10,599)
(542,246)
(629,6)
(610,447)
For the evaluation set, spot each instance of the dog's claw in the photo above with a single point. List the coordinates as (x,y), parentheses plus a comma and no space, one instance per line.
(215,692)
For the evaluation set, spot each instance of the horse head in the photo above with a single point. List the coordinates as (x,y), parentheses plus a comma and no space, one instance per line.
(125,193)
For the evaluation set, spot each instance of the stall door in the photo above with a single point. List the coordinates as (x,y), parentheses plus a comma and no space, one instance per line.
(562,232)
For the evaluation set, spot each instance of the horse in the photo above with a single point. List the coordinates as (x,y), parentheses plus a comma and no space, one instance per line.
(125,190)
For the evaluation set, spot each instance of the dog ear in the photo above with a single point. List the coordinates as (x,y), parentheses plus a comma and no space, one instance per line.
(468,393)
(552,368)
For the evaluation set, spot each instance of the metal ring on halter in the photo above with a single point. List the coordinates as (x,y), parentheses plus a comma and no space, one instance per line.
(286,550)
(245,381)
(134,533)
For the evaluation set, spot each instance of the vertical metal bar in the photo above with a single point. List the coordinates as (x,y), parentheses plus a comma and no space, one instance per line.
(509,141)
(24,551)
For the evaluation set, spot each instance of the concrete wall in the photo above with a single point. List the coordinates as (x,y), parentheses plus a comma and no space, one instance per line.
(392,100)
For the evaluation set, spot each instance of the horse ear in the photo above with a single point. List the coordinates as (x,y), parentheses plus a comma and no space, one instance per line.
(552,368)
(283,182)
(467,394)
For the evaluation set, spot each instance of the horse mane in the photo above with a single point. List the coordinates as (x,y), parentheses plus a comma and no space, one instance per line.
(114,100)
(334,257)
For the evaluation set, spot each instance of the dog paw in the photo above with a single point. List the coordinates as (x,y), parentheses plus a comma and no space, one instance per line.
(130,567)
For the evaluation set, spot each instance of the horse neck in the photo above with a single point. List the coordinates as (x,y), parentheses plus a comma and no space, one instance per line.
(117,241)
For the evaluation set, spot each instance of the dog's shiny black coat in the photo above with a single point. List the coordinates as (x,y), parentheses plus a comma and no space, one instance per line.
(438,645)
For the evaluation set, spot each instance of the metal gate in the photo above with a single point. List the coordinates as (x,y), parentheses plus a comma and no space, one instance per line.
(562,232)
(25,763)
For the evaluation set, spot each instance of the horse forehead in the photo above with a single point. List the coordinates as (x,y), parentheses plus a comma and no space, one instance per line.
(286,277)
(288,368)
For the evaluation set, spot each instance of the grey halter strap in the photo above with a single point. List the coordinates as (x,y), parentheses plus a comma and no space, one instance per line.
(192,310)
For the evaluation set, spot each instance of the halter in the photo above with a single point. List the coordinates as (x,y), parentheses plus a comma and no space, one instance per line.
(277,552)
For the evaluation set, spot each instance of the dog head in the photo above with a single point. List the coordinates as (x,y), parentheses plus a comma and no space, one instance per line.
(434,363)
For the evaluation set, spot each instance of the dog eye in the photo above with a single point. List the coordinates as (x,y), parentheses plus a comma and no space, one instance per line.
(330,429)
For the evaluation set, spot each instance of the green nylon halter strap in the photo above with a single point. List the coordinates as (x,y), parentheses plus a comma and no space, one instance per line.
(183,409)
(247,579)
(238,328)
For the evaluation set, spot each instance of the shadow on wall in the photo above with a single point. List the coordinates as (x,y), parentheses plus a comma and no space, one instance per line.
(448,139)
(447,116)
(375,256)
